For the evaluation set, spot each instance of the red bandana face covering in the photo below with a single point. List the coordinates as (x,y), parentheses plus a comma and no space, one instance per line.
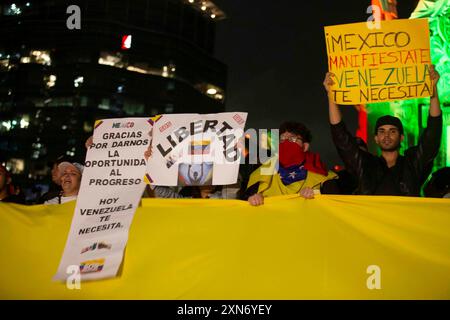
(290,154)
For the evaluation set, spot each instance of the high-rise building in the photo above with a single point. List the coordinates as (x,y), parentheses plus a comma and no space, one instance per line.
(64,64)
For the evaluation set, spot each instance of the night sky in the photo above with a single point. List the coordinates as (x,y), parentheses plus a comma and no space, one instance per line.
(276,57)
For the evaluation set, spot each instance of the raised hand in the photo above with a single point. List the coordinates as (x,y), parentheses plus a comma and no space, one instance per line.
(89,142)
(328,82)
(434,75)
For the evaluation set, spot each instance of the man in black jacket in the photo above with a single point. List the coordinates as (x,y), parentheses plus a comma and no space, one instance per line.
(392,173)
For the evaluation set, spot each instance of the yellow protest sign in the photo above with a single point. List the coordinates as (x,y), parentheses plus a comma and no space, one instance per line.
(330,247)
(379,65)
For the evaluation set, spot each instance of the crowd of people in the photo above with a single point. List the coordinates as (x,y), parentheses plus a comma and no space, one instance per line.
(299,170)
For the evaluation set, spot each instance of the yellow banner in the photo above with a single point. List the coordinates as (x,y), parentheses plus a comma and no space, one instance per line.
(331,247)
(378,65)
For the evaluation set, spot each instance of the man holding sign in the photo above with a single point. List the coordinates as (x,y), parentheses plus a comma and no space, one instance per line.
(378,65)
(392,173)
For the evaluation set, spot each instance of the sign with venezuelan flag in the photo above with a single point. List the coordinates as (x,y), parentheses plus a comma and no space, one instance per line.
(195,149)
(382,64)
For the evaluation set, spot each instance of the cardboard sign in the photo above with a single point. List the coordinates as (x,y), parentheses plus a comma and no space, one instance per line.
(379,65)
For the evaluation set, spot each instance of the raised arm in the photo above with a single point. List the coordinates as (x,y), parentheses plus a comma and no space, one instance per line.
(344,141)
(334,112)
(435,106)
(427,149)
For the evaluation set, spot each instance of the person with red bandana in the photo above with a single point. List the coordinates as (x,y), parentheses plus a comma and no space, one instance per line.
(297,170)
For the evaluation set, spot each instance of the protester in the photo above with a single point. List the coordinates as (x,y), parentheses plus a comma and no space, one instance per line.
(55,186)
(70,178)
(392,173)
(7,192)
(297,169)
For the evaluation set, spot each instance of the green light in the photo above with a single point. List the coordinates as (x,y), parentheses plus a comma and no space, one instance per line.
(448,146)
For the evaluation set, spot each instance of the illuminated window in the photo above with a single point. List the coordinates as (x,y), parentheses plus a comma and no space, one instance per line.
(111,59)
(12,10)
(24,122)
(117,60)
(168,71)
(37,56)
(6,126)
(165,72)
(211,91)
(4,64)
(50,81)
(207,7)
(139,69)
(16,166)
(21,123)
(78,81)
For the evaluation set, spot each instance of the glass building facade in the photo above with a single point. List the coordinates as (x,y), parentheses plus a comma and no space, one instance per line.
(129,58)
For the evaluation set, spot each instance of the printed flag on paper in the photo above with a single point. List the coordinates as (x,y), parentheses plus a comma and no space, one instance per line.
(195,149)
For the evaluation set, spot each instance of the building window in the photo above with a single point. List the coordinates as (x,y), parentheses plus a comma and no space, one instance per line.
(5,63)
(12,10)
(104,104)
(117,60)
(37,56)
(111,59)
(50,81)
(211,91)
(16,166)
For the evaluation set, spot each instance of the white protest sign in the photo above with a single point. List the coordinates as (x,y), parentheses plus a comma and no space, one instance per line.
(111,188)
(195,149)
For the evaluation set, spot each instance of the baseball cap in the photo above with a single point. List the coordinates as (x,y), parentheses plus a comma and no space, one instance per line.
(64,165)
(390,120)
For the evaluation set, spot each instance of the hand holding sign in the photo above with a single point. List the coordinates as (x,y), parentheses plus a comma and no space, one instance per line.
(148,152)
(328,82)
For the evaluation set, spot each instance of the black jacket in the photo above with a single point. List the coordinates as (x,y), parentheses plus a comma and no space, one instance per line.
(374,177)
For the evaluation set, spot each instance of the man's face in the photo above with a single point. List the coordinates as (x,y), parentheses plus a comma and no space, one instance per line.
(55,175)
(70,180)
(388,138)
(292,137)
